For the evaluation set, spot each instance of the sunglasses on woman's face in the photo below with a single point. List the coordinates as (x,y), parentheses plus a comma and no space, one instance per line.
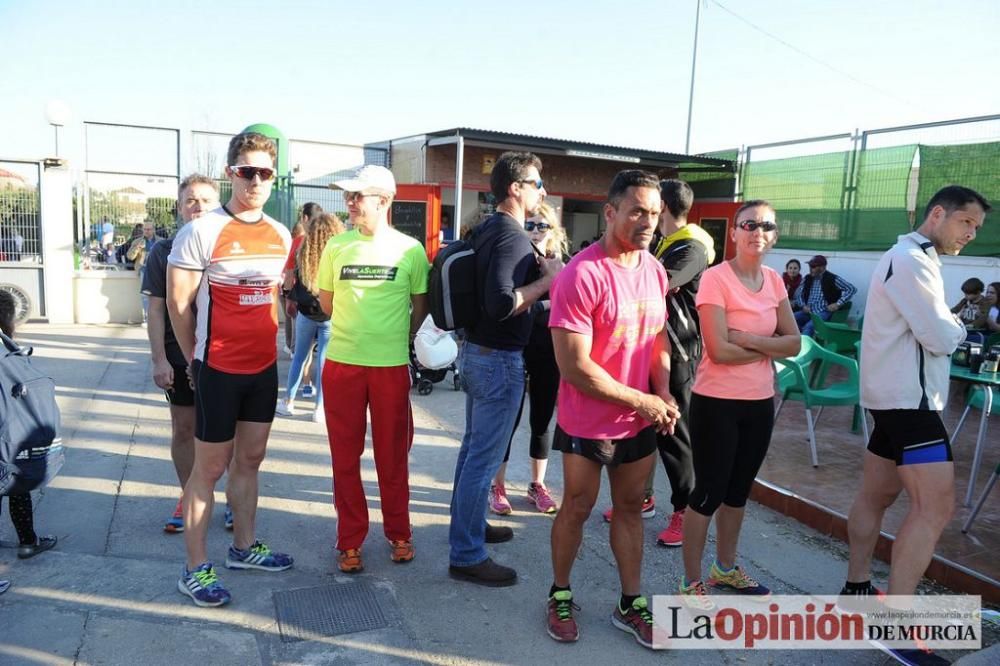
(541,226)
(248,172)
(754,225)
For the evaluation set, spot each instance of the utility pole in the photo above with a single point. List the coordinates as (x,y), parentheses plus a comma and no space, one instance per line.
(694,61)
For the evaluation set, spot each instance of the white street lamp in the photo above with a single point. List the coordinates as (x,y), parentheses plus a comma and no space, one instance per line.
(58,114)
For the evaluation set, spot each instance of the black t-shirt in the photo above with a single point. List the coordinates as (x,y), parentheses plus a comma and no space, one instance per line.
(505,261)
(154,283)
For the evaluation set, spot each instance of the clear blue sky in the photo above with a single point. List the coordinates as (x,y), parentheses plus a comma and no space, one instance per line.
(598,71)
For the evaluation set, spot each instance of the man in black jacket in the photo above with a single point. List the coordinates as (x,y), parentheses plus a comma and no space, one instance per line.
(510,277)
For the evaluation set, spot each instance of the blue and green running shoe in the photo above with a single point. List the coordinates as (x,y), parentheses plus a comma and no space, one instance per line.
(203,586)
(258,556)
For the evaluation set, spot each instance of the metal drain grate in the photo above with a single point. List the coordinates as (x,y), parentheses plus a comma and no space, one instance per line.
(329,610)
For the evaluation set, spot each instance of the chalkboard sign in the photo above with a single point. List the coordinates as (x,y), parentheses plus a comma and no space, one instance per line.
(410,217)
(716,228)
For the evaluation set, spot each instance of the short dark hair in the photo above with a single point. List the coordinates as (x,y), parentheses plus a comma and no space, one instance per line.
(197,179)
(973,286)
(953,197)
(630,178)
(753,203)
(8,313)
(248,142)
(311,209)
(511,168)
(677,196)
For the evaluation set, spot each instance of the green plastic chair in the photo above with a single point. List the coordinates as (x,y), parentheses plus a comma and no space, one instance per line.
(975,398)
(838,338)
(842,313)
(794,384)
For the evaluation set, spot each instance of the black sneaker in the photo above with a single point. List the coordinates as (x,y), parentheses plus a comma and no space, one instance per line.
(864,600)
(487,573)
(41,545)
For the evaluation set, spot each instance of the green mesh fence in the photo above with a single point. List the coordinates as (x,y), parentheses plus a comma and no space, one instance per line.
(807,192)
(971,165)
(880,214)
(710,184)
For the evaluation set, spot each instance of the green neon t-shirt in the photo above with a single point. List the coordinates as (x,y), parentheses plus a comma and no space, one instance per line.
(372,279)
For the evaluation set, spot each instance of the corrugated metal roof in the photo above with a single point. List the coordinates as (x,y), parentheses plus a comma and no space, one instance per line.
(584,148)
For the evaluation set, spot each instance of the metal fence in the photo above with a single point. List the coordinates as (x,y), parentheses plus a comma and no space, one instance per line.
(20,220)
(124,190)
(859,191)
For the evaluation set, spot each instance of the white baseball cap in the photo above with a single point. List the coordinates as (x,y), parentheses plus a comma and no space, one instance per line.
(369,177)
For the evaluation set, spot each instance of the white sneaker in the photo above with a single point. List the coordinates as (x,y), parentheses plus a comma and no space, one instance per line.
(288,351)
(318,416)
(284,408)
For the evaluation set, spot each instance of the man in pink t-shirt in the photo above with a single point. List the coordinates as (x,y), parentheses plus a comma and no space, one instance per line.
(607,321)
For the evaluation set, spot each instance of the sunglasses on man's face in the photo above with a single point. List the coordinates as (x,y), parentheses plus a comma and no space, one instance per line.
(754,225)
(247,172)
(357,196)
(537,182)
(541,226)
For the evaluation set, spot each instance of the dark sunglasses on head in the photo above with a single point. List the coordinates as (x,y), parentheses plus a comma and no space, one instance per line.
(248,172)
(538,183)
(754,225)
(541,226)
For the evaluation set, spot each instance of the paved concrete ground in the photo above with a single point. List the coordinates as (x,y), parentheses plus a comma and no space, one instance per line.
(107,594)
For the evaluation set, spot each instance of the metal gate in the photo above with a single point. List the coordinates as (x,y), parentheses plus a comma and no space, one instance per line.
(21,259)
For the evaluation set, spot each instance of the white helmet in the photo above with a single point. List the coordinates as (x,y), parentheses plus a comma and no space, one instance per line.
(435,350)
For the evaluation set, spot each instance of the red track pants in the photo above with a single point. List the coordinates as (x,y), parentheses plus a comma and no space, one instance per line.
(350,391)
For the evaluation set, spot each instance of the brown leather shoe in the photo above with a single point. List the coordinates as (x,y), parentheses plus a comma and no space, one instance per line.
(498,533)
(487,573)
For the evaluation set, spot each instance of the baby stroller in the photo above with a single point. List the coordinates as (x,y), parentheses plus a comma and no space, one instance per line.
(432,355)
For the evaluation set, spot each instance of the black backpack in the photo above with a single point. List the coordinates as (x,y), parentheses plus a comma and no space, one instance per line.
(307,302)
(31,450)
(451,291)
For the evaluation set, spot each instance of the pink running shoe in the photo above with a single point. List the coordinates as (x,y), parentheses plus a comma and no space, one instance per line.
(539,495)
(673,535)
(498,500)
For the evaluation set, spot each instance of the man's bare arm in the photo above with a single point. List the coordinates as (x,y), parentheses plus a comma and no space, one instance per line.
(578,369)
(156,327)
(182,287)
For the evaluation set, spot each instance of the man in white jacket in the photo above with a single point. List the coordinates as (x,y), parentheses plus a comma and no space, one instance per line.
(909,335)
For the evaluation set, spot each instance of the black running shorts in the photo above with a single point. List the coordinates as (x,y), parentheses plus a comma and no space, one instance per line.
(610,452)
(909,436)
(222,399)
(181,393)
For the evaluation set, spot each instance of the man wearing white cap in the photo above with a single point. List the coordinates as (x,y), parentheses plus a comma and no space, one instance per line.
(368,279)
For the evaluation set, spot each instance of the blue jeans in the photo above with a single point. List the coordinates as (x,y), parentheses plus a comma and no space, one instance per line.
(494,383)
(804,321)
(306,331)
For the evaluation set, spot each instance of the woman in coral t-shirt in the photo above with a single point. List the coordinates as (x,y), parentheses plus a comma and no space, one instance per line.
(746,322)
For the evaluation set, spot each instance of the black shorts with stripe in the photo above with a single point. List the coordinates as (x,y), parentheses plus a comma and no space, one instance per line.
(909,436)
